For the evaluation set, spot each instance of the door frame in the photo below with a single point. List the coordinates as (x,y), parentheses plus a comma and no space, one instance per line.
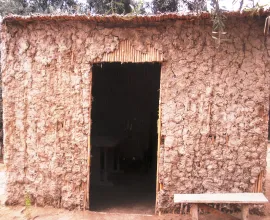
(158,185)
(126,53)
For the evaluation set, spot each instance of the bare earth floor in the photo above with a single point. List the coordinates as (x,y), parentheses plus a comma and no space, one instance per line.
(130,193)
(48,213)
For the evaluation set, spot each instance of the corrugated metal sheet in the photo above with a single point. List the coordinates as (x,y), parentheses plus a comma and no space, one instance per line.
(127,53)
(124,19)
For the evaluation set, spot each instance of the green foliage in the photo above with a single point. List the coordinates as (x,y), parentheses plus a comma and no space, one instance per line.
(131,7)
(195,5)
(24,7)
(138,8)
(115,7)
(165,6)
(12,6)
(109,6)
(256,9)
(47,6)
(27,200)
(250,6)
(218,19)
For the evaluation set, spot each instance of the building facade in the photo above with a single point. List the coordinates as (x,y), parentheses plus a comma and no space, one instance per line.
(214,102)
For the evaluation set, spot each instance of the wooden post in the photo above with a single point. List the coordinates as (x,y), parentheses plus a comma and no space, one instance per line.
(87,199)
(194,211)
(87,204)
(158,153)
(245,212)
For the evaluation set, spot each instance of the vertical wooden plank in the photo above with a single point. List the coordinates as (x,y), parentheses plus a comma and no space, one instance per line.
(258,186)
(260,182)
(87,199)
(127,53)
(117,54)
(185,209)
(158,152)
(194,212)
(181,209)
(133,54)
(245,212)
(88,174)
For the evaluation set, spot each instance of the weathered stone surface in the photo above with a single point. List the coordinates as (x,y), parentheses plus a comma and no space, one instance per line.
(214,106)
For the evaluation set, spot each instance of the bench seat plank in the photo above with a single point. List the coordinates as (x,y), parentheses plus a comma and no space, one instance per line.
(244,198)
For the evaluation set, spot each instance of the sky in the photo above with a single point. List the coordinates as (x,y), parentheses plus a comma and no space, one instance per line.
(228,4)
(224,4)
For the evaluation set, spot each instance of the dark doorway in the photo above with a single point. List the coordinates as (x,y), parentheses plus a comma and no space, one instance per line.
(124,137)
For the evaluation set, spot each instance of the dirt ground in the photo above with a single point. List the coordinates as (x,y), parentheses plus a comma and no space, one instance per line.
(48,213)
(133,194)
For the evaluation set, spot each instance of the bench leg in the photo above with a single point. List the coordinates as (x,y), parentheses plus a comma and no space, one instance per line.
(245,212)
(194,211)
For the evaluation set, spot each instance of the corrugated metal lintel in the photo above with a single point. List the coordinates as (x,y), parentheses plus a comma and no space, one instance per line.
(126,53)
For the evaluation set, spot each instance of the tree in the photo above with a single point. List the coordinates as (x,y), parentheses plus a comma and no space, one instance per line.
(49,6)
(13,7)
(165,6)
(173,5)
(110,6)
(24,7)
(195,5)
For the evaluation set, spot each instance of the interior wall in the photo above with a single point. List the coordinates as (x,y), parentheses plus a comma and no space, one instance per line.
(214,103)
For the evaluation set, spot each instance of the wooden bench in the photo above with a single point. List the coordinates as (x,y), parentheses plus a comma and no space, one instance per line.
(235,198)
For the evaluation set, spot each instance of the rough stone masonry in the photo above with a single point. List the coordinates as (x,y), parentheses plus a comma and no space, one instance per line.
(214,104)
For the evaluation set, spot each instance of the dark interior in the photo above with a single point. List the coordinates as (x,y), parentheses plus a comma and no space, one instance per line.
(124,137)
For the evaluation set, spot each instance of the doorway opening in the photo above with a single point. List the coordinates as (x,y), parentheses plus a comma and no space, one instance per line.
(124,137)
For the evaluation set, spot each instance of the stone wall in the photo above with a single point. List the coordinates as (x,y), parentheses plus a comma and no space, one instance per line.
(214,104)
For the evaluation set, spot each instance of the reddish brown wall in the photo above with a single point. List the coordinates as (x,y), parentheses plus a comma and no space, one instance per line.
(205,92)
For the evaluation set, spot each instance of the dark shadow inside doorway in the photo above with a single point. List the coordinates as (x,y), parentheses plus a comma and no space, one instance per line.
(124,137)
